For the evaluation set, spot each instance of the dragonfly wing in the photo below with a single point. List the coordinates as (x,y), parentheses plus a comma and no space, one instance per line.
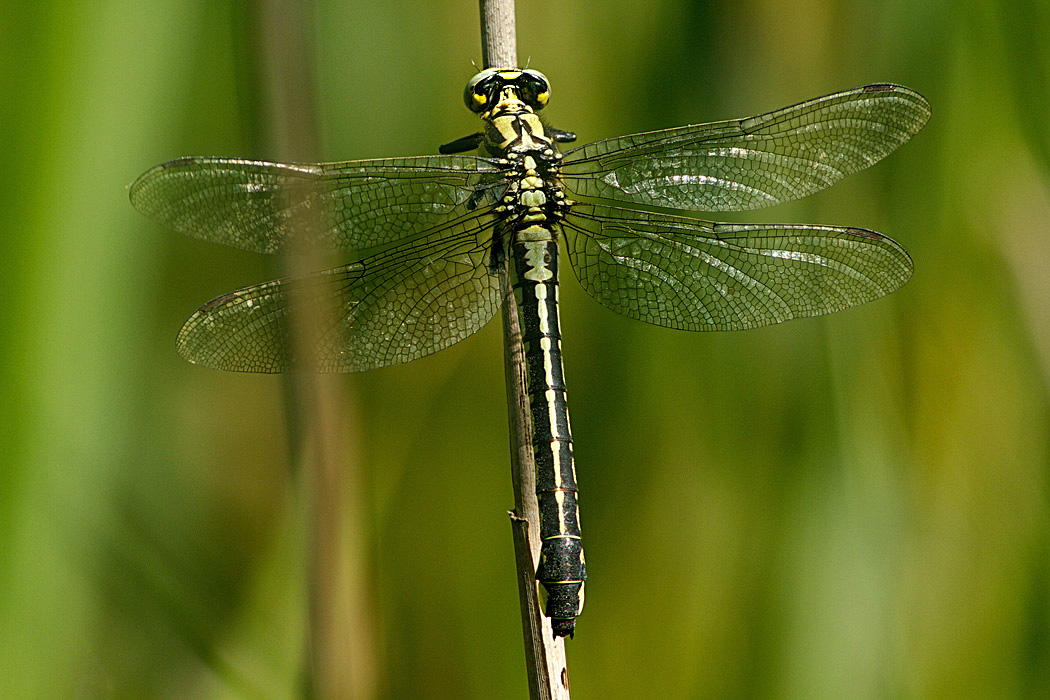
(396,306)
(750,163)
(701,276)
(326,207)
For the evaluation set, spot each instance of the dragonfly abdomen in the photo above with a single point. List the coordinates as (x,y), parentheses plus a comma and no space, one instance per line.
(534,267)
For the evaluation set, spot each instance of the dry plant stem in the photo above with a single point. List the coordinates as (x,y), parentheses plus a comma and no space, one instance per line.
(545,663)
(499,43)
(340,661)
(544,653)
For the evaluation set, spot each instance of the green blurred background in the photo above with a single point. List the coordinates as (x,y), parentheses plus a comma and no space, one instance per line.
(847,507)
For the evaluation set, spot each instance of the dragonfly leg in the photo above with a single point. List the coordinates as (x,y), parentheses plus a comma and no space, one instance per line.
(562,136)
(467,143)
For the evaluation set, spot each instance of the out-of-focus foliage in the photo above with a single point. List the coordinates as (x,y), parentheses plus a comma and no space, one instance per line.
(846,507)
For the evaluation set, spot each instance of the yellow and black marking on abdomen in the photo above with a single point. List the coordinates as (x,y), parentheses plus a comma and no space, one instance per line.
(532,207)
(534,266)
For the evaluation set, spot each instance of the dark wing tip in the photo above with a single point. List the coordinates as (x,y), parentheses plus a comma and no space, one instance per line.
(923,109)
(881,87)
(866,233)
(876,237)
(215,337)
(905,266)
(140,191)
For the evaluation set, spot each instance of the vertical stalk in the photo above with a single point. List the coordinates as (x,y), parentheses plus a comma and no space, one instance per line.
(340,659)
(544,653)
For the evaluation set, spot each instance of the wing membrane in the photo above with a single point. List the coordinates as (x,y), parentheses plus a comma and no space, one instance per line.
(327,207)
(750,163)
(401,304)
(696,275)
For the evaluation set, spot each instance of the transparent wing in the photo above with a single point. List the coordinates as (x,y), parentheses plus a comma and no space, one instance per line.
(750,163)
(702,276)
(330,207)
(401,304)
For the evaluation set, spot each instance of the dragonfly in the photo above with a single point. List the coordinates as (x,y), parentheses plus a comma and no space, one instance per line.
(433,239)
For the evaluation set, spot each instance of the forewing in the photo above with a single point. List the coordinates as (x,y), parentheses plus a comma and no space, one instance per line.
(325,208)
(750,163)
(404,303)
(701,276)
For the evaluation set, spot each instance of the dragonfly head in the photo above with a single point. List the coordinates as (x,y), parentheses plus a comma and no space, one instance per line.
(507,90)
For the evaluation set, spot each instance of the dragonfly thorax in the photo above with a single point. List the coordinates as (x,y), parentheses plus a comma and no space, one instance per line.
(518,131)
(534,195)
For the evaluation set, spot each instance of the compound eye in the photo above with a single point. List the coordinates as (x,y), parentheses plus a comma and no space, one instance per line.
(481,89)
(535,89)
